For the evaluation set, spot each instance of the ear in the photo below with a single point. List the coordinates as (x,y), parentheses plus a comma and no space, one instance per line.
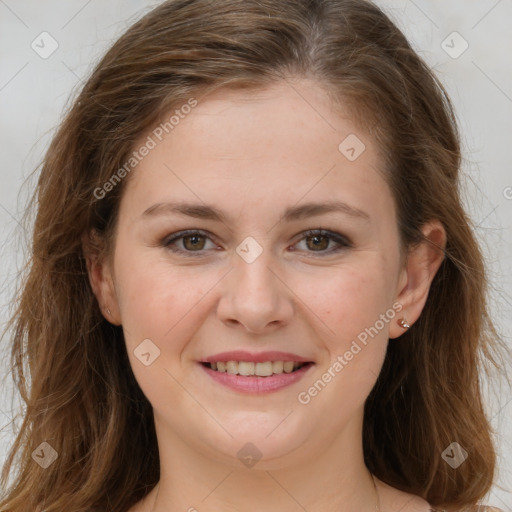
(422,263)
(101,277)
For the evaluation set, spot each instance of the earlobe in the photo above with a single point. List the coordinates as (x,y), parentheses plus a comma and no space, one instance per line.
(100,278)
(423,262)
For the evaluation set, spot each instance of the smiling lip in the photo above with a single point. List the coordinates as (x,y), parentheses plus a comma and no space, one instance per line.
(241,355)
(257,385)
(253,384)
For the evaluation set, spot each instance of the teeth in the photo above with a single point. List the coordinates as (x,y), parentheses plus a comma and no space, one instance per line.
(245,368)
(277,366)
(288,366)
(265,369)
(232,367)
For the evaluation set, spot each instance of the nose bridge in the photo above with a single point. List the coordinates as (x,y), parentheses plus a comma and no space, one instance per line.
(252,268)
(255,295)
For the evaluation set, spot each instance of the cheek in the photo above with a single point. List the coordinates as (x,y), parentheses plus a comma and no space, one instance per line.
(358,309)
(153,295)
(164,304)
(158,307)
(356,306)
(353,298)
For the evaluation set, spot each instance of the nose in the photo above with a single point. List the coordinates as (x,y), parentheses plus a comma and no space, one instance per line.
(254,297)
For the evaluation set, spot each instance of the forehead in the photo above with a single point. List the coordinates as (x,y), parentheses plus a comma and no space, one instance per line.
(284,142)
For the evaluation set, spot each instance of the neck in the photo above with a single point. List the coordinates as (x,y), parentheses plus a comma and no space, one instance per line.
(334,479)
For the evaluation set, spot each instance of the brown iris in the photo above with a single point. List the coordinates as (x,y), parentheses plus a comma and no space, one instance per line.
(319,245)
(194,245)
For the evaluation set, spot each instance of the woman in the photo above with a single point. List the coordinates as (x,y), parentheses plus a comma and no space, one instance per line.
(253,285)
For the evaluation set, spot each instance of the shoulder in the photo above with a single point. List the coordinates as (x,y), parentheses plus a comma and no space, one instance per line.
(395,499)
(483,508)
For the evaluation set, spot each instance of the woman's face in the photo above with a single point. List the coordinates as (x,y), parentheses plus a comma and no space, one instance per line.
(256,171)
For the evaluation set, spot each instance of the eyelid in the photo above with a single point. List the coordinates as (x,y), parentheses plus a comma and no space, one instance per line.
(168,240)
(343,241)
(333,235)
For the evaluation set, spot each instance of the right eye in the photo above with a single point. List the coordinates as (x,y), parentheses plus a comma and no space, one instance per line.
(191,239)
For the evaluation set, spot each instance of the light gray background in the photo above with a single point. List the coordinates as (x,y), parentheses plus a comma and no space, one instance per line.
(34,91)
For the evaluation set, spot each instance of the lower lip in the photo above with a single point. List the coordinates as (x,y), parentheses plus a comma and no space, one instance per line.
(257,385)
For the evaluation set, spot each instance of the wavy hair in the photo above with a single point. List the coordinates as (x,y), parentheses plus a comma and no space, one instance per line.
(70,365)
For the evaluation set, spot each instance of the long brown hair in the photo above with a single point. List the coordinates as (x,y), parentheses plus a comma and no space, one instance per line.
(70,364)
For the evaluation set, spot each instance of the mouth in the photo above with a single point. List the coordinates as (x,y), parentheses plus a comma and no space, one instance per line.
(259,369)
(261,373)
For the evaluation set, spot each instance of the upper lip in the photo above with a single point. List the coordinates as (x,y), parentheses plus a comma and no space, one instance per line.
(260,357)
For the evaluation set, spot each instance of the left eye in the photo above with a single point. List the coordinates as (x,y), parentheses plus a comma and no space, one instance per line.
(320,239)
(194,241)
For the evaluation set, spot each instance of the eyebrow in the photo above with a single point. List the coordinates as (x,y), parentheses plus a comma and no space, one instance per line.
(202,211)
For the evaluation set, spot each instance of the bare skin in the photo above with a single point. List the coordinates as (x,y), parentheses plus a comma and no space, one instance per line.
(390,499)
(252,155)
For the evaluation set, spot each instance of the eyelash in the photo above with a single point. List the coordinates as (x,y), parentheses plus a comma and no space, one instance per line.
(344,243)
